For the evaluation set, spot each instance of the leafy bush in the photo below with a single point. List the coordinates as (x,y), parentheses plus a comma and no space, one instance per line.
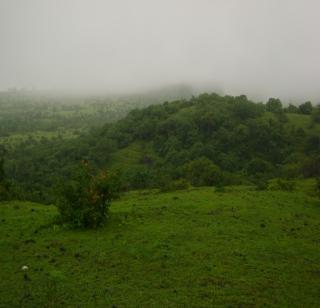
(85,200)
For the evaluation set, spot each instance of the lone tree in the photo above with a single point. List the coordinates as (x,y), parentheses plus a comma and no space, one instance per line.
(84,201)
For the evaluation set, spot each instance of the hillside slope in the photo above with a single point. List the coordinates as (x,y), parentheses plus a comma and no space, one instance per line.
(195,248)
(206,140)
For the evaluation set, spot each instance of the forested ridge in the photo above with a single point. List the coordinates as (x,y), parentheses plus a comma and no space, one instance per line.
(206,140)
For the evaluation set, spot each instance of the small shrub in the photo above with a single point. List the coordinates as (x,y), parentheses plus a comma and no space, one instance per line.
(84,201)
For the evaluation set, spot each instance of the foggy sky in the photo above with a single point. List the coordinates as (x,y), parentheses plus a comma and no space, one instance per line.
(261,48)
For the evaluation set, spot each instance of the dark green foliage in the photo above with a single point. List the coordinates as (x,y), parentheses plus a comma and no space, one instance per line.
(7,190)
(138,177)
(261,184)
(291,170)
(235,135)
(316,115)
(318,186)
(292,109)
(306,108)
(311,166)
(2,154)
(313,144)
(274,105)
(85,200)
(259,166)
(244,109)
(203,172)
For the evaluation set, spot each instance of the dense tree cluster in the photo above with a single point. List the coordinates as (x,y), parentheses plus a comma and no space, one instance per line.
(206,140)
(238,139)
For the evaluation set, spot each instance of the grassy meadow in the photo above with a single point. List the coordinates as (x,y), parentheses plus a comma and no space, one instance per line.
(195,248)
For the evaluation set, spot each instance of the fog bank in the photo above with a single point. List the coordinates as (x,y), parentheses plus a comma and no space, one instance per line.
(261,48)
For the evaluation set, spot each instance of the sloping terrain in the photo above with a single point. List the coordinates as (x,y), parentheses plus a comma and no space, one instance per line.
(196,248)
(206,140)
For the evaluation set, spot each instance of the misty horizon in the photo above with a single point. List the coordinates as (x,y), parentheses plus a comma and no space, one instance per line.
(259,48)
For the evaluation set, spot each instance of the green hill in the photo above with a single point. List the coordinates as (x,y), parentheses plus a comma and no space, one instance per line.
(206,140)
(196,248)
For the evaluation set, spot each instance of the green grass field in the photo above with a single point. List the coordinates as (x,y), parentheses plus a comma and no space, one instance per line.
(197,248)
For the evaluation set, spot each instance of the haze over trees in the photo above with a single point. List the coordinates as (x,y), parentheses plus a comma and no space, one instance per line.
(232,140)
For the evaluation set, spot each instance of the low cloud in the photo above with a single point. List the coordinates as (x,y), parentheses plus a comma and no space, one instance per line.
(262,48)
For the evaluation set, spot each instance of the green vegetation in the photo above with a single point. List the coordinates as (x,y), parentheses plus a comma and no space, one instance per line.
(7,190)
(195,248)
(231,139)
(84,202)
(31,117)
(219,203)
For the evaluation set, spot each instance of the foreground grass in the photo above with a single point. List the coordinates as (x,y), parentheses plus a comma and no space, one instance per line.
(184,249)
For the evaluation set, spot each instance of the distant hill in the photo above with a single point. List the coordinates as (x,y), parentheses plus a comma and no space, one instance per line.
(50,114)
